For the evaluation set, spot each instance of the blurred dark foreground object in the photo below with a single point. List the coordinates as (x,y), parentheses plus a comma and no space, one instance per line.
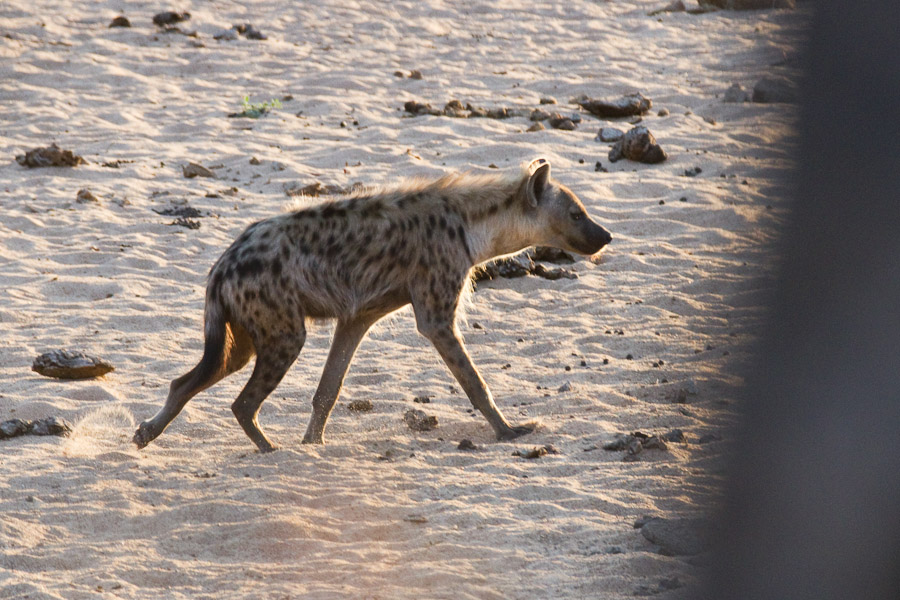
(812,509)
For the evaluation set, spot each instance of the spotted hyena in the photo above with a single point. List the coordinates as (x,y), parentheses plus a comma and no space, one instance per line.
(358,258)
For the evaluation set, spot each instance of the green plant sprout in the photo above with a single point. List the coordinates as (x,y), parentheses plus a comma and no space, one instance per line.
(255,111)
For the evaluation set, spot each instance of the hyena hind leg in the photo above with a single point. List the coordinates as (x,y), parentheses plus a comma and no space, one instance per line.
(232,357)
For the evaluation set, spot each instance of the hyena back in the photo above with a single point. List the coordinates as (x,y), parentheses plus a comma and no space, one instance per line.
(357,259)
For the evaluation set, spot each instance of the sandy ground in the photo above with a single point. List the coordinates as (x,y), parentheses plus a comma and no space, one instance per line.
(381,511)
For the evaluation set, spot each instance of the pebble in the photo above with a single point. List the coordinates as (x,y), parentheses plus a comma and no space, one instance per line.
(638,145)
(66,364)
(736,94)
(51,156)
(536,127)
(663,112)
(548,100)
(610,134)
(676,537)
(539,114)
(120,21)
(466,445)
(84,196)
(557,121)
(192,170)
(249,31)
(537,452)
(692,172)
(415,74)
(599,168)
(631,104)
(566,387)
(170,18)
(226,35)
(417,420)
(774,89)
(363,405)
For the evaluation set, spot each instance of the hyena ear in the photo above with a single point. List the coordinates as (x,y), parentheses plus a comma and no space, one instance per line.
(539,175)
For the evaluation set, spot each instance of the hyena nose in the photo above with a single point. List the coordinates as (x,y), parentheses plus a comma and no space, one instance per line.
(601,238)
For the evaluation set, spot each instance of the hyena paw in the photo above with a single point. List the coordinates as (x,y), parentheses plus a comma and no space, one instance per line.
(144,435)
(514,432)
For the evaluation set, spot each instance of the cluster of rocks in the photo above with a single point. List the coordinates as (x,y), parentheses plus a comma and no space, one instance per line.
(767,90)
(185,216)
(47,426)
(168,21)
(635,443)
(528,263)
(247,30)
(639,145)
(536,452)
(68,364)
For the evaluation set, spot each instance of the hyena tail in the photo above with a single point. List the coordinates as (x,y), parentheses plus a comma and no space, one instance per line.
(227,348)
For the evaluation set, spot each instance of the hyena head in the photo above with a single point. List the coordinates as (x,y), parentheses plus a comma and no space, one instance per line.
(563,220)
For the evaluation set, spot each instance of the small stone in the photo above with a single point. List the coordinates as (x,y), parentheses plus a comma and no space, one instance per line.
(498,113)
(120,21)
(415,74)
(192,170)
(170,18)
(599,168)
(539,114)
(422,399)
(621,442)
(51,156)
(692,172)
(774,89)
(84,196)
(255,161)
(736,94)
(566,387)
(536,127)
(400,74)
(186,223)
(654,443)
(466,445)
(557,121)
(363,405)
(676,436)
(548,100)
(65,364)
(610,134)
(537,452)
(417,420)
(663,112)
(638,145)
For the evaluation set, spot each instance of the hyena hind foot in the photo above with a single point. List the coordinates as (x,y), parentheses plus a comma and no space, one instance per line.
(515,431)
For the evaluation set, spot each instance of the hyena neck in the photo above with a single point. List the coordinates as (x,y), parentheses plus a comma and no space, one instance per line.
(502,225)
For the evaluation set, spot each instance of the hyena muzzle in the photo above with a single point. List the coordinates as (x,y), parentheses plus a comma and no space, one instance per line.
(356,259)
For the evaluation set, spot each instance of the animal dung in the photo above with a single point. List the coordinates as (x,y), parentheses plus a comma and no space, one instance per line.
(67,364)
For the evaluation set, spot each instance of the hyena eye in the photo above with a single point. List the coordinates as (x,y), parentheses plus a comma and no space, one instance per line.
(576,216)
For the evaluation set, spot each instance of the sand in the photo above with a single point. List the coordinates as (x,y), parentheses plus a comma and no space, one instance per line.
(380,511)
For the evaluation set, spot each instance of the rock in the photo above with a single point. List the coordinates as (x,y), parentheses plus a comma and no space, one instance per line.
(736,93)
(120,22)
(638,145)
(249,31)
(415,74)
(13,428)
(548,100)
(677,537)
(774,89)
(422,399)
(417,420)
(65,364)
(558,121)
(498,113)
(599,168)
(187,212)
(610,134)
(85,196)
(466,445)
(663,112)
(634,447)
(537,452)
(226,35)
(475,111)
(675,6)
(51,156)
(170,18)
(536,127)
(621,442)
(676,435)
(566,387)
(51,426)
(553,273)
(632,104)
(363,405)
(419,108)
(654,443)
(747,4)
(551,255)
(191,170)
(186,223)
(539,114)
(692,172)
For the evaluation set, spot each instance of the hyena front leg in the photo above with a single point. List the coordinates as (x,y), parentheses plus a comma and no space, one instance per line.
(347,336)
(439,327)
